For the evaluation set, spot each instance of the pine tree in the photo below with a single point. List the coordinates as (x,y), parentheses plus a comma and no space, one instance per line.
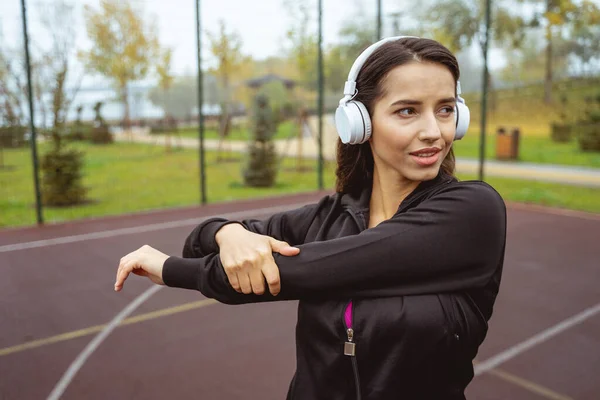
(261,166)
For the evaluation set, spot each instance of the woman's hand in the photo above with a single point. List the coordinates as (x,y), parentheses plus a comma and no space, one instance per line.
(145,261)
(247,259)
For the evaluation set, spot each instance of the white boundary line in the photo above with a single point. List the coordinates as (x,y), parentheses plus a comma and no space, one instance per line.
(142,228)
(81,359)
(541,337)
(76,365)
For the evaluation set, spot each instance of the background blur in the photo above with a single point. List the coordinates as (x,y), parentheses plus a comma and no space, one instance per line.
(115,88)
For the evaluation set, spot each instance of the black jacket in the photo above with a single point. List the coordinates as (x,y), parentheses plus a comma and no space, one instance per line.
(423,285)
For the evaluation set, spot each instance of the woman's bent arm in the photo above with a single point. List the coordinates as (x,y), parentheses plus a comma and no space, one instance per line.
(453,241)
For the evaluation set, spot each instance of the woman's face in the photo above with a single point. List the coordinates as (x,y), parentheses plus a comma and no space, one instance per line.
(413,122)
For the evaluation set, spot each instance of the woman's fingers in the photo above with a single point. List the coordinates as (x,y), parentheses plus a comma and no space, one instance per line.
(244,281)
(270,271)
(233,280)
(123,272)
(283,248)
(257,281)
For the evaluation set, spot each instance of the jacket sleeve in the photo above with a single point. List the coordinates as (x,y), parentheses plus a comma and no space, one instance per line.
(452,241)
(289,226)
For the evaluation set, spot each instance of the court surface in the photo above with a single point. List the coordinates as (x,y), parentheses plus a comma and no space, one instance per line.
(63,330)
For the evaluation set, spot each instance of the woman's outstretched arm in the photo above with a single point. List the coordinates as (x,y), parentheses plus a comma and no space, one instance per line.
(452,241)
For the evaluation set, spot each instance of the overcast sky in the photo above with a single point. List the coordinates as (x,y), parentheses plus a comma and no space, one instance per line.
(262,24)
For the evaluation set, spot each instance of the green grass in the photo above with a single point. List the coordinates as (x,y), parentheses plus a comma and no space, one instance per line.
(125,178)
(533,149)
(284,130)
(524,106)
(545,193)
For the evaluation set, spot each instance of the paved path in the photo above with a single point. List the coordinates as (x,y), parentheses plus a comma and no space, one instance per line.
(580,176)
(56,296)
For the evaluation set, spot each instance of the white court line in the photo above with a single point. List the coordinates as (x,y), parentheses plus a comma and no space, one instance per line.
(81,359)
(76,365)
(541,337)
(142,228)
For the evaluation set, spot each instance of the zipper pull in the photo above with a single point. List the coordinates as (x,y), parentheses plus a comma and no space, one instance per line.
(350,346)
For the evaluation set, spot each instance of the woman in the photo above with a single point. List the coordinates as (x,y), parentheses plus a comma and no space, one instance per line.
(397,272)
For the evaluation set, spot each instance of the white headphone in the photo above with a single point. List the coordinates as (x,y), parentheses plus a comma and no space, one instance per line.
(352,119)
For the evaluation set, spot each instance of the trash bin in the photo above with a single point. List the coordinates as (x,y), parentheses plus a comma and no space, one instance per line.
(507,144)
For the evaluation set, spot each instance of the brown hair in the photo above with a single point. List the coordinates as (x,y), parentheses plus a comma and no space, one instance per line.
(355,162)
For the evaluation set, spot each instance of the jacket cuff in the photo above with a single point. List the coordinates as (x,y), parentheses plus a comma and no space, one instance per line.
(181,272)
(209,231)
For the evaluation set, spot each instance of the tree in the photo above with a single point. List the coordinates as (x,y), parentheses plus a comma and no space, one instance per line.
(58,21)
(261,166)
(563,19)
(123,45)
(165,81)
(355,35)
(226,47)
(62,168)
(303,43)
(460,23)
(182,96)
(584,45)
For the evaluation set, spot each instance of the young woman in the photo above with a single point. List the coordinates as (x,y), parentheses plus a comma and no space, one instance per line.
(398,271)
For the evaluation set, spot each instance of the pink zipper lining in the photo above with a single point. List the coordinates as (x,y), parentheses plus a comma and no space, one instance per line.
(348,315)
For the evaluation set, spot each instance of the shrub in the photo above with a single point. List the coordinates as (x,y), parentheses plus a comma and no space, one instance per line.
(101,135)
(62,178)
(561,131)
(588,129)
(261,166)
(12,136)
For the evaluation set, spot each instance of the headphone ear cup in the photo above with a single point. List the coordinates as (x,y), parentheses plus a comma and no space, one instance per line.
(353,123)
(463,117)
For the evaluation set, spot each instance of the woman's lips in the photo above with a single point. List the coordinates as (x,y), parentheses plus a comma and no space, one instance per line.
(426,157)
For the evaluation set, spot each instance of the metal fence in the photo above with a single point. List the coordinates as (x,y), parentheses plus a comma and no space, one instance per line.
(142,105)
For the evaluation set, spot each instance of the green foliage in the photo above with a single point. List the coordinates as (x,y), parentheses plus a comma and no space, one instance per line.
(560,133)
(150,179)
(226,48)
(261,165)
(78,130)
(303,41)
(181,97)
(124,47)
(355,35)
(100,133)
(62,178)
(282,103)
(12,136)
(588,129)
(459,23)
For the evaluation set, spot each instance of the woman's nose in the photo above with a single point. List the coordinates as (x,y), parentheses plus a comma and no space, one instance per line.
(430,129)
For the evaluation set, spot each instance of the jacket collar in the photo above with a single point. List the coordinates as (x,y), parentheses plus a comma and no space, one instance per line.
(360,202)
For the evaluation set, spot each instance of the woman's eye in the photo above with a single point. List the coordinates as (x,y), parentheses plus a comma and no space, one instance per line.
(447,110)
(405,112)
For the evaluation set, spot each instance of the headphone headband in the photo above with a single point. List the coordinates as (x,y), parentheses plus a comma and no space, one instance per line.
(350,85)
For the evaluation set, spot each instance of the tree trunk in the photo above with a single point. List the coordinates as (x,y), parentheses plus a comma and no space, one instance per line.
(125,100)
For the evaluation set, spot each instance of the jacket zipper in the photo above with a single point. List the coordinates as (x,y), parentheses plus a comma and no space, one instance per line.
(350,345)
(348,311)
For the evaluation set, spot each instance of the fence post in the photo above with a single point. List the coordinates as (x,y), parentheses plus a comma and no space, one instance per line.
(200,106)
(33,138)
